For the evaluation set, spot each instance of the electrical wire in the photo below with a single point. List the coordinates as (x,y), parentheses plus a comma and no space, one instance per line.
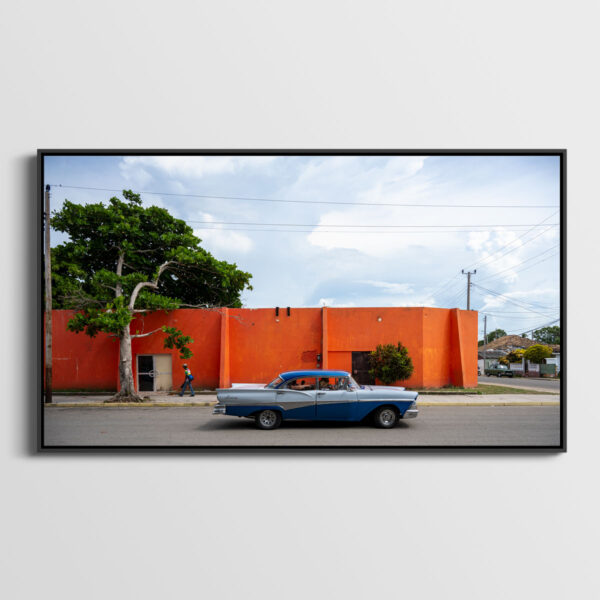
(494,275)
(507,299)
(488,226)
(535,328)
(352,231)
(258,199)
(533,304)
(489,257)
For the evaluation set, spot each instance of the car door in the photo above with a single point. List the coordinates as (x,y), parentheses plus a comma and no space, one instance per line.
(335,402)
(297,398)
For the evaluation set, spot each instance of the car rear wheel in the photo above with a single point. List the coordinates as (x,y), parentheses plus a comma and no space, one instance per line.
(385,417)
(268,419)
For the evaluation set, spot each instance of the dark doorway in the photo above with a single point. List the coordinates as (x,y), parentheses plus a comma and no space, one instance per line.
(360,368)
(145,373)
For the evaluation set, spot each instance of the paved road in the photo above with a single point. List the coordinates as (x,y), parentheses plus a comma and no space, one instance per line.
(444,425)
(551,385)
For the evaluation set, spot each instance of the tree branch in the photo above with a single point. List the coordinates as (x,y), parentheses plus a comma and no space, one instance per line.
(150,284)
(141,335)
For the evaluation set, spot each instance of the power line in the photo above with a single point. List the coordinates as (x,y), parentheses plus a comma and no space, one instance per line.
(490,226)
(530,266)
(456,298)
(527,242)
(534,304)
(494,275)
(218,227)
(535,328)
(476,263)
(256,199)
(512,318)
(489,257)
(507,299)
(501,313)
(445,285)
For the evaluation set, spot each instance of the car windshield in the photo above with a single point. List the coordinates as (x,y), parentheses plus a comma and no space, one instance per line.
(274,383)
(352,385)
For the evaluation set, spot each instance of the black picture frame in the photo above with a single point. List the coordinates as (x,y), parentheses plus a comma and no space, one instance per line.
(39,216)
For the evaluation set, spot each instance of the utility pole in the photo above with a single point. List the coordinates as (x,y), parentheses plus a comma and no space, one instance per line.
(48,286)
(468,274)
(484,342)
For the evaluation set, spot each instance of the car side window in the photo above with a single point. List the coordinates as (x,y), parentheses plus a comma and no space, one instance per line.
(301,384)
(333,383)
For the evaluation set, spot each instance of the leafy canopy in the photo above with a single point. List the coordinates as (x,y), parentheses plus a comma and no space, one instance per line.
(84,268)
(537,353)
(390,363)
(548,335)
(515,356)
(492,335)
(114,249)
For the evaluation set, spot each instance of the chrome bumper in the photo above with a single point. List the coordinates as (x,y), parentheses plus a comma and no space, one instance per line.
(219,410)
(411,413)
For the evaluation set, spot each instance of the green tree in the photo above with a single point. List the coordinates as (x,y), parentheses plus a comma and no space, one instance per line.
(390,363)
(547,335)
(537,353)
(515,356)
(491,336)
(124,260)
(494,335)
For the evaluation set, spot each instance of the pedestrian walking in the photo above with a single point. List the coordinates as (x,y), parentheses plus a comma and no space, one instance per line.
(187,381)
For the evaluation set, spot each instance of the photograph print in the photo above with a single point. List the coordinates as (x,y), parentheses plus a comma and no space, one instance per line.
(270,299)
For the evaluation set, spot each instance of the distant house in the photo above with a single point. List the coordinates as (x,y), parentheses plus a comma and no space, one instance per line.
(501,346)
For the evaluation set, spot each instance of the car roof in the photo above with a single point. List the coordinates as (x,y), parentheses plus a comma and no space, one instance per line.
(313,373)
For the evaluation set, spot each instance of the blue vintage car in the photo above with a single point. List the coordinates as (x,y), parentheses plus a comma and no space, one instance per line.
(317,396)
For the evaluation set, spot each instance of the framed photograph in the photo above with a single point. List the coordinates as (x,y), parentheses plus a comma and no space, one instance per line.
(393,300)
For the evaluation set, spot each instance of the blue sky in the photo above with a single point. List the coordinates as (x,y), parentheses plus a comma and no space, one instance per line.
(362,249)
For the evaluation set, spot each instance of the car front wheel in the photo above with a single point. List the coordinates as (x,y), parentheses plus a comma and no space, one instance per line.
(385,417)
(268,419)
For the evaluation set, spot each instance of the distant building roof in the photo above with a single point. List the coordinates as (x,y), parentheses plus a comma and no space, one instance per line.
(507,343)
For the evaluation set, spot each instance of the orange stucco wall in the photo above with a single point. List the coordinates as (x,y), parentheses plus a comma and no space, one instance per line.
(263,345)
(254,345)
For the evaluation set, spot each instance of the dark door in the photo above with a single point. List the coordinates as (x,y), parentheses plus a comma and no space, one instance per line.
(145,366)
(360,368)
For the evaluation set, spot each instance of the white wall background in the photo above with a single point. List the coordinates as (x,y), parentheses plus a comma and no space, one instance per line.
(303,74)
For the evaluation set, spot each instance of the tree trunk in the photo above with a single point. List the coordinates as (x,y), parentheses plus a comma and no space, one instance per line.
(127,391)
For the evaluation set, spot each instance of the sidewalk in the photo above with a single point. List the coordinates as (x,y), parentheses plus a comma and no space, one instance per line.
(167,400)
(160,399)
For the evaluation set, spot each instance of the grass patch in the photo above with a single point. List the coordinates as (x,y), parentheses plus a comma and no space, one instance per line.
(492,388)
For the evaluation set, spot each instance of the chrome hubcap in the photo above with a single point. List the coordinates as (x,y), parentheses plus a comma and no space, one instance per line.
(387,417)
(268,418)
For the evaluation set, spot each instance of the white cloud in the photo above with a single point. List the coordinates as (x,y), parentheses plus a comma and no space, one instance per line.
(332,303)
(504,251)
(140,168)
(389,287)
(218,240)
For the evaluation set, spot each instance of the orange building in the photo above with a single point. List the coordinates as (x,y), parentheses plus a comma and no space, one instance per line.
(254,345)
